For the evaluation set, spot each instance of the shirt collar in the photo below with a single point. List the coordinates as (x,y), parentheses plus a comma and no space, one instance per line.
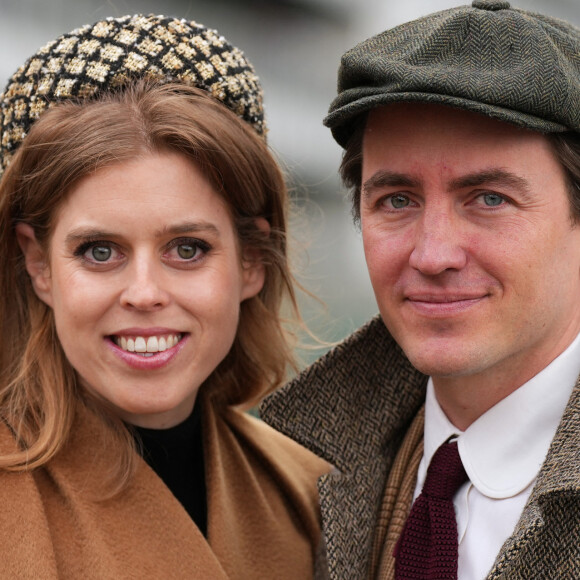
(503,450)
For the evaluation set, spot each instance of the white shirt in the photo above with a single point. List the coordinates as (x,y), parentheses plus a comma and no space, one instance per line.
(502,453)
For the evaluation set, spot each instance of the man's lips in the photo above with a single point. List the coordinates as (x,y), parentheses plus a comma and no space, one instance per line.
(444,298)
(444,304)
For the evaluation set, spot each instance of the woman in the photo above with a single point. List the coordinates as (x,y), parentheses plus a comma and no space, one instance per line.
(143,264)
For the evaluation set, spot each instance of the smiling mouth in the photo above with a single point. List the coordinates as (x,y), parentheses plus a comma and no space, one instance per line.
(444,299)
(147,346)
(444,306)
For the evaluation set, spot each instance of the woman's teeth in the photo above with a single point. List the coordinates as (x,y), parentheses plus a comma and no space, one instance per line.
(147,346)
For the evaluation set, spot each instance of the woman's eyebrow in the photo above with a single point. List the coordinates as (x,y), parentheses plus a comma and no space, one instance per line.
(87,233)
(189,227)
(91,233)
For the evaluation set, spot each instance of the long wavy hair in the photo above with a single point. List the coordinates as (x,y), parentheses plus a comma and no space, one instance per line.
(39,390)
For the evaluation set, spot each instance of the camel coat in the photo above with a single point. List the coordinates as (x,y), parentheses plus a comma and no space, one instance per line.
(262,511)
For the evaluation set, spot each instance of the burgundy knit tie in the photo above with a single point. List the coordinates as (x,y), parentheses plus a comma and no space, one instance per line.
(427,548)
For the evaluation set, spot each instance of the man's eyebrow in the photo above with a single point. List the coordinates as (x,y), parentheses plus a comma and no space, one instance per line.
(382,179)
(495,176)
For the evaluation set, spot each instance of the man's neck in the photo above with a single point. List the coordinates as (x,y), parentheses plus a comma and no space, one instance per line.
(465,398)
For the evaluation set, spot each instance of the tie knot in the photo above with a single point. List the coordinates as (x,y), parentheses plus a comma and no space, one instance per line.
(446,473)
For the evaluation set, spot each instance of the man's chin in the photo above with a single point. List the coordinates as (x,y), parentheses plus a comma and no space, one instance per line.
(446,363)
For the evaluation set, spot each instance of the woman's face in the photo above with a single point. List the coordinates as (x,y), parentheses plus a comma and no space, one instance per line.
(145,279)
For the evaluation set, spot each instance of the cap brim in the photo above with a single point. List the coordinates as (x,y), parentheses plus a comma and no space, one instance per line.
(342,118)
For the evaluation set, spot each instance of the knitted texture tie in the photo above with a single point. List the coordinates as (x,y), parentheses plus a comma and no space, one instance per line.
(427,548)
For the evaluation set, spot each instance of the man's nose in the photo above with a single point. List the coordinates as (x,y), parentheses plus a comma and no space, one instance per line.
(438,243)
(144,286)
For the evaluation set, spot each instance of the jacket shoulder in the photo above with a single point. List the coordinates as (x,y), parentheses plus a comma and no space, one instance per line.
(280,454)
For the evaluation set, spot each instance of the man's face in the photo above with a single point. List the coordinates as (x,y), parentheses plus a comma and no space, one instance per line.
(471,249)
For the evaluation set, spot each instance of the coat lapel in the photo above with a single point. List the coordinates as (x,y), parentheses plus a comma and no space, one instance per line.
(367,377)
(144,532)
(348,503)
(546,541)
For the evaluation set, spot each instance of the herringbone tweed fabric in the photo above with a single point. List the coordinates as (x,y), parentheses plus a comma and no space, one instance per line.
(340,409)
(353,407)
(517,66)
(104,55)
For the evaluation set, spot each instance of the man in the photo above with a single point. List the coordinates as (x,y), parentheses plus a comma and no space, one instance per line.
(462,147)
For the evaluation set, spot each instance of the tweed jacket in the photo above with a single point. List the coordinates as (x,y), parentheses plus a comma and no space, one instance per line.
(353,407)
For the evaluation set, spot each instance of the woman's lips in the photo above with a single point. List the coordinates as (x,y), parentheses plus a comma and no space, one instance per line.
(138,350)
(147,345)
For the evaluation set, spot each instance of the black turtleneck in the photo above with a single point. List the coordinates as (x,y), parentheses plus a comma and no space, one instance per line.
(176,455)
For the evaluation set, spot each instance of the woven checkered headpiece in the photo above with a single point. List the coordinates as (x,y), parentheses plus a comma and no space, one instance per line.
(104,55)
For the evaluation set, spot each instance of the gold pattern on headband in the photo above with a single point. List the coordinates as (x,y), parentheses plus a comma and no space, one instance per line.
(64,88)
(150,47)
(89,47)
(127,37)
(66,45)
(76,66)
(111,52)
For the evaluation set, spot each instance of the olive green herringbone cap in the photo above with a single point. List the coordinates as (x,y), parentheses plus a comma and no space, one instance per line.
(516,66)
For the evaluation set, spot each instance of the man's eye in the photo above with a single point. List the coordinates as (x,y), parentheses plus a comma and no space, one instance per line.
(492,199)
(398,201)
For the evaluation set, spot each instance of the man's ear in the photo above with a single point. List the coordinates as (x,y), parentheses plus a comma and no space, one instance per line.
(254,271)
(35,261)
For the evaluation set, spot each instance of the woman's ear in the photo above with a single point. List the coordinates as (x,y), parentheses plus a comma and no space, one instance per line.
(254,271)
(35,261)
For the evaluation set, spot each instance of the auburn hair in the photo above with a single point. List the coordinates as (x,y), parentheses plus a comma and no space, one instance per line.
(39,389)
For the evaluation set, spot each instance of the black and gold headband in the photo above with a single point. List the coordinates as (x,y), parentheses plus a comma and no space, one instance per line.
(106,54)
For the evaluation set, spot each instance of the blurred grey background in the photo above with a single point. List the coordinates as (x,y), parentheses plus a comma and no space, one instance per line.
(295,46)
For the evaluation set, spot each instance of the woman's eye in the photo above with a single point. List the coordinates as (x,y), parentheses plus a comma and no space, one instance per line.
(97,253)
(492,199)
(100,253)
(188,251)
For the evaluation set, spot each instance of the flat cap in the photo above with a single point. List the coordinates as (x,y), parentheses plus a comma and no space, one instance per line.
(513,65)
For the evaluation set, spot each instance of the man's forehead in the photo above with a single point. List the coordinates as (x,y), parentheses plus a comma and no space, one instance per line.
(417,113)
(405,143)
(445,129)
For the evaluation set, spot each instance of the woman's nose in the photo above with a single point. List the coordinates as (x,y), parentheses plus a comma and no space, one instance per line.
(145,288)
